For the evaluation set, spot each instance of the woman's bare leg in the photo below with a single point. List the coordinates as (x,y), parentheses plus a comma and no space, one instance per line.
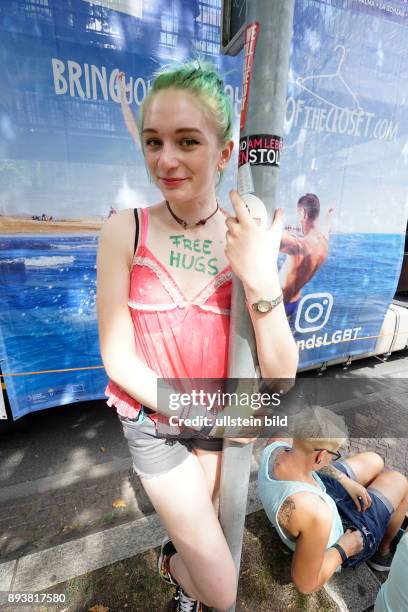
(210,461)
(203,565)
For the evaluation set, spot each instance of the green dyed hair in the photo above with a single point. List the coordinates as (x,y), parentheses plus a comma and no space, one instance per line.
(201,79)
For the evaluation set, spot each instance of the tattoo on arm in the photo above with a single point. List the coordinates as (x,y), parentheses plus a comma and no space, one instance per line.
(330,470)
(286,511)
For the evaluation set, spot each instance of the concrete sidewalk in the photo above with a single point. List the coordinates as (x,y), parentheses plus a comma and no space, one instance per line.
(67,488)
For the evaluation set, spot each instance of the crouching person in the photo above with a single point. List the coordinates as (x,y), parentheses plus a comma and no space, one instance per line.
(331,512)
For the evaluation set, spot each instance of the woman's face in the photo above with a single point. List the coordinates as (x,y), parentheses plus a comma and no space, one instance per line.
(180,145)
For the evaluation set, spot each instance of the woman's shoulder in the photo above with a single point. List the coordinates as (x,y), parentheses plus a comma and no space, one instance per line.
(117,234)
(119,219)
(121,226)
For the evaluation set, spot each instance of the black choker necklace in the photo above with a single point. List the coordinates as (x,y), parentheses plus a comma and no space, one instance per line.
(190,225)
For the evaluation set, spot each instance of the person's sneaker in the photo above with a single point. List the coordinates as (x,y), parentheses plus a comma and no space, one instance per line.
(183,603)
(167,550)
(379,562)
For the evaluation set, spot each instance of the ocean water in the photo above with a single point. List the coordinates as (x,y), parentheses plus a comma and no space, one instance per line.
(48,320)
(48,314)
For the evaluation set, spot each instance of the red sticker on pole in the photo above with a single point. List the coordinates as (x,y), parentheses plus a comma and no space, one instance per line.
(251,37)
(260,150)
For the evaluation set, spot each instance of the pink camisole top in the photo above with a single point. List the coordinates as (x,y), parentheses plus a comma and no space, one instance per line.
(174,336)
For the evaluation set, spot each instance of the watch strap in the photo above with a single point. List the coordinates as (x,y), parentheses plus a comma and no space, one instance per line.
(341,552)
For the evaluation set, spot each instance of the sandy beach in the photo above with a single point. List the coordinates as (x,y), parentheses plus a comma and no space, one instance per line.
(16,225)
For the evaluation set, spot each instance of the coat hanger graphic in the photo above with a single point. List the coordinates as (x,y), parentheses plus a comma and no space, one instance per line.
(302,82)
(239,4)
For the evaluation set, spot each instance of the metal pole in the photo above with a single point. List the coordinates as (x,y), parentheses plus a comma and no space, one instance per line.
(265,115)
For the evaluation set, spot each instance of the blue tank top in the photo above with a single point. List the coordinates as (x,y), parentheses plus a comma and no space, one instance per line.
(393,596)
(273,493)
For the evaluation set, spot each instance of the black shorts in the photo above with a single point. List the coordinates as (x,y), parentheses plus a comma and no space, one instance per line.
(153,456)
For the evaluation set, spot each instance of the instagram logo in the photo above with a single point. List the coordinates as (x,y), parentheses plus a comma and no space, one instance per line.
(313,312)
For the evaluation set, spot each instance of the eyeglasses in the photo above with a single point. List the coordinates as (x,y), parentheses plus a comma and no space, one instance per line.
(336,454)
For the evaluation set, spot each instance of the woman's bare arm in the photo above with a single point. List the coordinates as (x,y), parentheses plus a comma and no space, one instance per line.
(275,345)
(252,251)
(116,332)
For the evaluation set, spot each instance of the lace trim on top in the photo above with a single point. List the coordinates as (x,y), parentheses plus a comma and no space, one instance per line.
(213,286)
(175,294)
(165,307)
(169,285)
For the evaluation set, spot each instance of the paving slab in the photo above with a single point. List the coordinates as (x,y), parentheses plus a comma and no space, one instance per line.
(49,567)
(6,578)
(353,590)
(59,481)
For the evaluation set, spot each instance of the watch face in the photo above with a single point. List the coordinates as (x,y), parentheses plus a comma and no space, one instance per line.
(263,306)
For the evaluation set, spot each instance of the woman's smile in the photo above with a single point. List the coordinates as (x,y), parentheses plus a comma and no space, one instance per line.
(172,182)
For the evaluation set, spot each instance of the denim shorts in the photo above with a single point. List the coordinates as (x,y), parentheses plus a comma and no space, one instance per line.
(372,523)
(153,456)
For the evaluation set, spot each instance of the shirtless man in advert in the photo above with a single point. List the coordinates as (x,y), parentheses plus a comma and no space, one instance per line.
(305,253)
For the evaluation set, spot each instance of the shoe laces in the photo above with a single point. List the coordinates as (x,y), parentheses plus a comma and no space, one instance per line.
(186,604)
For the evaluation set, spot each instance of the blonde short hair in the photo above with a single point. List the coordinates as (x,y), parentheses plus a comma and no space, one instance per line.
(319,428)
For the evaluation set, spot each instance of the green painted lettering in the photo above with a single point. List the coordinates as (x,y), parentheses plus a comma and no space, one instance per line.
(214,269)
(187,261)
(175,259)
(199,265)
(176,240)
(197,247)
(206,247)
(187,244)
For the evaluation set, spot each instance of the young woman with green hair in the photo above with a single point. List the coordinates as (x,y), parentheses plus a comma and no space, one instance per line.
(163,308)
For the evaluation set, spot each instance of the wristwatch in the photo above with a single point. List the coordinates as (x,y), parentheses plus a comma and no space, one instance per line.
(266,305)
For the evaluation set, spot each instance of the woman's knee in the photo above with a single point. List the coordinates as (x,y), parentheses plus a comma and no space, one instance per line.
(224,598)
(217,583)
